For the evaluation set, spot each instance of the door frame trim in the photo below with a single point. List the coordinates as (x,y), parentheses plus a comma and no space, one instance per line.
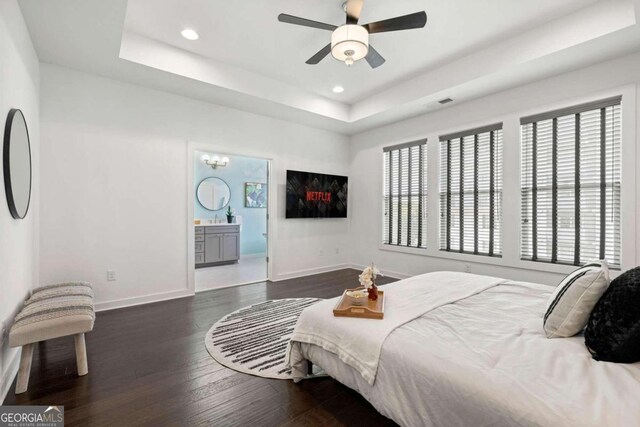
(219,149)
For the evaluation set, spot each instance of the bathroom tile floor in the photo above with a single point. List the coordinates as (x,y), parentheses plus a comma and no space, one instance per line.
(247,270)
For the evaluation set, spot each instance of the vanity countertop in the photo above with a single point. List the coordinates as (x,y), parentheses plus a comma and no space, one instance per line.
(215,225)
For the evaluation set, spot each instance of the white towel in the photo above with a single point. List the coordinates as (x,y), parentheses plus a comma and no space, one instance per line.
(358,342)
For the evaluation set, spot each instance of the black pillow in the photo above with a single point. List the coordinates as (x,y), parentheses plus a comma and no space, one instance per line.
(613,331)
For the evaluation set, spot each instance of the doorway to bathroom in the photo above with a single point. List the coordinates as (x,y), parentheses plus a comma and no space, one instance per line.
(230,226)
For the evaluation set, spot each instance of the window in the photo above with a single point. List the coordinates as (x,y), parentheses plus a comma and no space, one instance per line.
(571,184)
(405,195)
(471,191)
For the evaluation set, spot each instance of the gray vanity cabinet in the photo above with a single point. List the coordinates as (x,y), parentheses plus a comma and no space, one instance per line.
(213,248)
(231,246)
(199,245)
(217,244)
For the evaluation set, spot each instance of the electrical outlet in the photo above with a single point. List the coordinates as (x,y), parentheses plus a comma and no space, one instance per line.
(111,275)
(320,252)
(467,268)
(337,250)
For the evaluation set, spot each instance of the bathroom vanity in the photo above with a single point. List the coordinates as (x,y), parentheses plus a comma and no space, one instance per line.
(217,244)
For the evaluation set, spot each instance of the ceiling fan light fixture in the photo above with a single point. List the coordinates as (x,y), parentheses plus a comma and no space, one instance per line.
(349,43)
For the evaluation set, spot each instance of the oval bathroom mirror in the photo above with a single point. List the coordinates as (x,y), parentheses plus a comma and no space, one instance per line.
(213,194)
(17,164)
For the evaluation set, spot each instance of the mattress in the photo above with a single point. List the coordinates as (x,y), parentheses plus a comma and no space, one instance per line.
(485,361)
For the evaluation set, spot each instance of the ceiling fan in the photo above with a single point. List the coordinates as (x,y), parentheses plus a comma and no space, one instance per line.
(350,42)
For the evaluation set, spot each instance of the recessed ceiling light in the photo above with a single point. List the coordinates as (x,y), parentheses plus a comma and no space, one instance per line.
(189,34)
(338,89)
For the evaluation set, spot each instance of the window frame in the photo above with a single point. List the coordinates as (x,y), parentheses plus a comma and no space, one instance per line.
(417,260)
(423,194)
(598,107)
(495,156)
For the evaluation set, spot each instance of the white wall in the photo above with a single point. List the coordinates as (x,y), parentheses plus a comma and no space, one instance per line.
(115,182)
(19,83)
(619,76)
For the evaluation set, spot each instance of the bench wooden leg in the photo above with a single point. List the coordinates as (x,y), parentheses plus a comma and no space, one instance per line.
(25,368)
(81,355)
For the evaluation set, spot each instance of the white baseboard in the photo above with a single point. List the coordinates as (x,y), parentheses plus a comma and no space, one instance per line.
(387,273)
(9,374)
(258,255)
(147,299)
(309,272)
(230,286)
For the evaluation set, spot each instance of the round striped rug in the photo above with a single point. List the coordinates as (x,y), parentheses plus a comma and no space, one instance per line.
(253,339)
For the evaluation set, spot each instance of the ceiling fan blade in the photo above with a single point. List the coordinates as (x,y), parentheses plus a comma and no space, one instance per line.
(374,58)
(290,19)
(320,55)
(406,22)
(354,8)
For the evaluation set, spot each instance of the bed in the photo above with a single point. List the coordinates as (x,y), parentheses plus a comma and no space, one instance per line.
(479,358)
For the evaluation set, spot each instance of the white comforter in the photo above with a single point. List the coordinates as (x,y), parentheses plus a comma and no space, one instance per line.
(484,361)
(358,342)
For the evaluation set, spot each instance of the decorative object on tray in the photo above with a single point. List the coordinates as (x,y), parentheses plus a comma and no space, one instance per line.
(357,297)
(369,309)
(368,281)
(255,195)
(254,339)
(230,215)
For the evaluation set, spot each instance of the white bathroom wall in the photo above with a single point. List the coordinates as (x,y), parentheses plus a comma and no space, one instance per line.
(617,77)
(19,83)
(115,182)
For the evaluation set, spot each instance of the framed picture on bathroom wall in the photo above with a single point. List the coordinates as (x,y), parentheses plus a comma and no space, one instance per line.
(255,195)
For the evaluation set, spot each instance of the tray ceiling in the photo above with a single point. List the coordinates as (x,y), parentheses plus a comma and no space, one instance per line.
(246,59)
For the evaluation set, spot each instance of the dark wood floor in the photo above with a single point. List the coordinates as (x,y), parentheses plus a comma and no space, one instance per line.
(148,365)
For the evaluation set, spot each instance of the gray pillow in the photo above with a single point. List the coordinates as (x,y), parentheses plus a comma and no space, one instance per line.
(570,305)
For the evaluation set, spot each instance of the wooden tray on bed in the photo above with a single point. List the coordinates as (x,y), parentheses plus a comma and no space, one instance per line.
(370,310)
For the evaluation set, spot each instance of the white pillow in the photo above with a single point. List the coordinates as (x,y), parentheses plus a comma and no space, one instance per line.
(570,305)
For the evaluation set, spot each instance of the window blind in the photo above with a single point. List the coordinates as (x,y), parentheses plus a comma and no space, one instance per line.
(405,195)
(471,191)
(571,184)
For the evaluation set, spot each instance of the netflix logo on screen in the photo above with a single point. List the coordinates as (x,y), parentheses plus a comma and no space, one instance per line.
(323,196)
(316,195)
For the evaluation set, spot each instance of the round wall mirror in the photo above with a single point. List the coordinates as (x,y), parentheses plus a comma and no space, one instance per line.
(17,164)
(213,194)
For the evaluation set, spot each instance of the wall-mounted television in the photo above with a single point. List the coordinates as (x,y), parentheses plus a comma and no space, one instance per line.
(316,195)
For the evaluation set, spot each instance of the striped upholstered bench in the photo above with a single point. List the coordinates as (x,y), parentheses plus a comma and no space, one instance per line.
(50,312)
